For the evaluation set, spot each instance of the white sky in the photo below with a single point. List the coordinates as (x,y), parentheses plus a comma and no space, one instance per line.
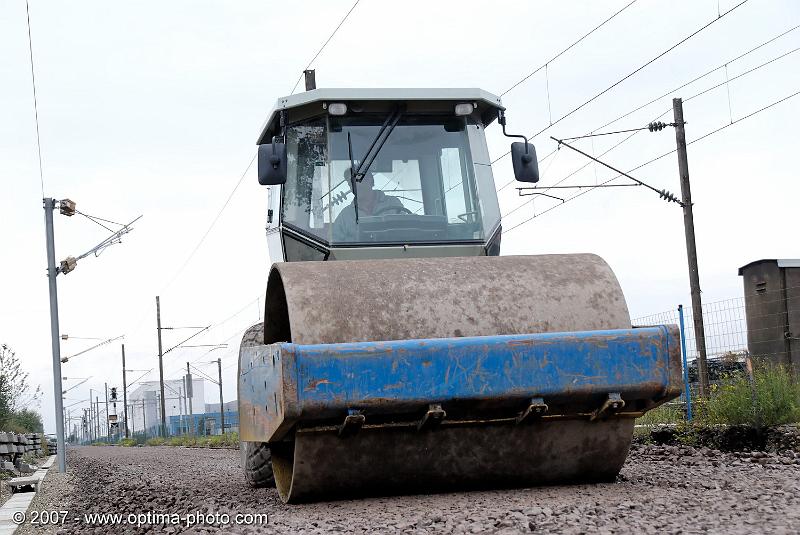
(153,108)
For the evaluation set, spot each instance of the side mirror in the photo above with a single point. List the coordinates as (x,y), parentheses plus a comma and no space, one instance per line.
(272,164)
(526,166)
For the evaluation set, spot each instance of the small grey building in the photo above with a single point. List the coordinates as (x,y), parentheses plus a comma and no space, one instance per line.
(772,305)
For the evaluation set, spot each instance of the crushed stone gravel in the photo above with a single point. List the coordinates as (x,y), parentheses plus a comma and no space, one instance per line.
(661,489)
(51,497)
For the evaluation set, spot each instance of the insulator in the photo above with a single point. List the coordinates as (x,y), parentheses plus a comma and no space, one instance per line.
(338,198)
(68,265)
(66,207)
(669,196)
(656,126)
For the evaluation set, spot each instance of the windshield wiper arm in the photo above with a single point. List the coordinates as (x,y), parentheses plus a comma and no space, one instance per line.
(353,175)
(383,134)
(357,175)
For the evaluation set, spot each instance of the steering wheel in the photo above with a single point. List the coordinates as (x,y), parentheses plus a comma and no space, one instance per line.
(397,209)
(469,215)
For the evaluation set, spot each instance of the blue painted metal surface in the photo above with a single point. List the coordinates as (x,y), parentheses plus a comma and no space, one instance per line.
(286,383)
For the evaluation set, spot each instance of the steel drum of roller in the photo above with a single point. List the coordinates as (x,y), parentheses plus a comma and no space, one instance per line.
(358,301)
(381,300)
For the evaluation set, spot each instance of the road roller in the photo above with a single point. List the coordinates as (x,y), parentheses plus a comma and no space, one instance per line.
(400,352)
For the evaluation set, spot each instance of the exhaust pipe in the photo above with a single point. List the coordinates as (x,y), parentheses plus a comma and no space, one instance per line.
(311,82)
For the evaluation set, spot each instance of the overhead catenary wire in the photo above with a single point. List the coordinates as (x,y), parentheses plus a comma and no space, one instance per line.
(96,220)
(328,40)
(141,377)
(104,342)
(572,45)
(629,75)
(220,323)
(674,90)
(687,99)
(700,77)
(35,99)
(663,193)
(652,160)
(179,344)
(211,226)
(230,351)
(204,374)
(650,127)
(250,164)
(671,91)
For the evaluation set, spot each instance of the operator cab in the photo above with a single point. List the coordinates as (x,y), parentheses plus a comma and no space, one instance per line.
(380,173)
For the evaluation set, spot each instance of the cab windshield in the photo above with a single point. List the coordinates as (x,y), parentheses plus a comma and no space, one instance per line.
(420,188)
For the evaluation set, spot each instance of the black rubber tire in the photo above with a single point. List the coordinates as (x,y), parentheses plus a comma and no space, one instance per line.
(257,463)
(256,456)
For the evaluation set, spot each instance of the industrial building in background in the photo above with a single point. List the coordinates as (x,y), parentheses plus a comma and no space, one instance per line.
(144,404)
(772,305)
(208,422)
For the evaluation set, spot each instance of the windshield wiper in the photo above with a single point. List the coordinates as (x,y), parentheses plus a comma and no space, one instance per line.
(382,135)
(358,174)
(352,176)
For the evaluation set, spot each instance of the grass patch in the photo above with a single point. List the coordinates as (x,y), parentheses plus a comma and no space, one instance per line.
(669,413)
(128,442)
(773,398)
(228,440)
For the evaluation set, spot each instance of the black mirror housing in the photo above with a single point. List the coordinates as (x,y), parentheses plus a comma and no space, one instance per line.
(272,164)
(526,166)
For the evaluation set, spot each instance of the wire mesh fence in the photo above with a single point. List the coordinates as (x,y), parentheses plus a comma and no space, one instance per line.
(763,326)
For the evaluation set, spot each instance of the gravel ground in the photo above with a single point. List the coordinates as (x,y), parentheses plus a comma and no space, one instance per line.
(52,496)
(662,489)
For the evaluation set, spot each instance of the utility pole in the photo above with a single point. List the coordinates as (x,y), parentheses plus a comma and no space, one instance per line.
(52,271)
(161,368)
(144,419)
(124,392)
(162,431)
(90,421)
(97,417)
(108,416)
(221,404)
(691,247)
(181,404)
(189,389)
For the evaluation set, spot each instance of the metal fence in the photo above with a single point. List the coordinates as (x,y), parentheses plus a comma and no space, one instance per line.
(725,329)
(736,329)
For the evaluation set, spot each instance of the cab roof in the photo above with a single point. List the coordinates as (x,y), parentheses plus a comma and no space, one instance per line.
(487,103)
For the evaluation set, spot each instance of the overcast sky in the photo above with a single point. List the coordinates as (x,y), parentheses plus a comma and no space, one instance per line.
(153,108)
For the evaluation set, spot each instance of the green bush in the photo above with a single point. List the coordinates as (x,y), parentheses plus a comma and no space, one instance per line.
(772,399)
(228,440)
(155,441)
(127,442)
(182,440)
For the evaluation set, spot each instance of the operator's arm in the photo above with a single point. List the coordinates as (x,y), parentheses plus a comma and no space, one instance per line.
(344,226)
